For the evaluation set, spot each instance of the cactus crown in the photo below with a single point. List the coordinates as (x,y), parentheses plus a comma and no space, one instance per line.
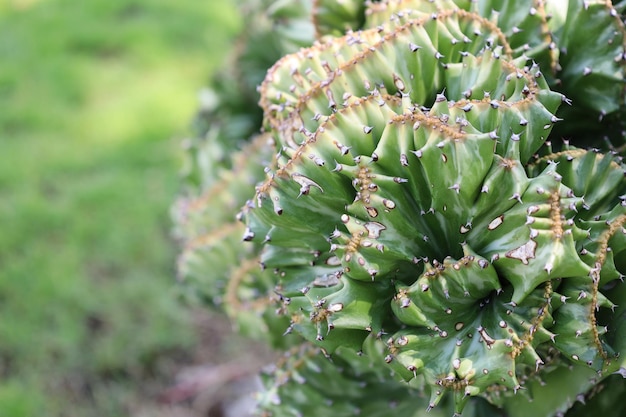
(415,221)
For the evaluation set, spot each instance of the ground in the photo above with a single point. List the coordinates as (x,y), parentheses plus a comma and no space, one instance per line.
(96,97)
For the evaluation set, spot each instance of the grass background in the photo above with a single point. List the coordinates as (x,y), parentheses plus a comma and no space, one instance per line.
(95,98)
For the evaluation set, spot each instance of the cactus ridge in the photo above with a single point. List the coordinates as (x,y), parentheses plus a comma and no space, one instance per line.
(603,243)
(552,33)
(311,80)
(304,379)
(241,169)
(330,17)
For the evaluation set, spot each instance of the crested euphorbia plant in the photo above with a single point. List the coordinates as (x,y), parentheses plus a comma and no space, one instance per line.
(441,216)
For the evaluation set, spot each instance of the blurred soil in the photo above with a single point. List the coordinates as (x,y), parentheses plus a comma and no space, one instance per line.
(218,378)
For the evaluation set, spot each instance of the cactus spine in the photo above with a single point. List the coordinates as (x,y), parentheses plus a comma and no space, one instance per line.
(420,209)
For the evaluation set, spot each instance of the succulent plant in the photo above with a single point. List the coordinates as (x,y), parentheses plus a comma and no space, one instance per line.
(440,199)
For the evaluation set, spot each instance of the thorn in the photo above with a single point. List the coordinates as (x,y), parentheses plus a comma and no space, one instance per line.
(248,235)
(548,268)
(516,196)
(456,187)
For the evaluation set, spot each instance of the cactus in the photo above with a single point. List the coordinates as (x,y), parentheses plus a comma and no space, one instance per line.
(440,199)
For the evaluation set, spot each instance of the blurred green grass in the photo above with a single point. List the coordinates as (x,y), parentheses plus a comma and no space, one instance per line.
(95,97)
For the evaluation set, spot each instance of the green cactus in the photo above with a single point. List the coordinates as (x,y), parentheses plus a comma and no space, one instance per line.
(419,217)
